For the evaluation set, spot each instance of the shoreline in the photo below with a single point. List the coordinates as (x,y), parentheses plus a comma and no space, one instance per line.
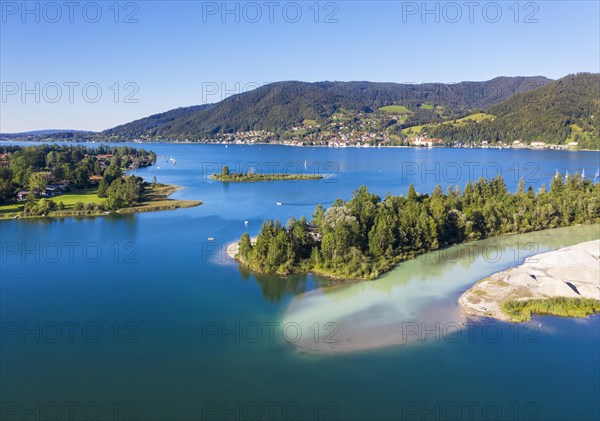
(158,200)
(571,272)
(232,248)
(179,142)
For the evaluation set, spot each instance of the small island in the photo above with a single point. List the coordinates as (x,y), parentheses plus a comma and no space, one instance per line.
(61,181)
(228,177)
(563,282)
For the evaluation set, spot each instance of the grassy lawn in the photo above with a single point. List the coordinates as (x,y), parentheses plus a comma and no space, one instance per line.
(575,128)
(412,131)
(7,211)
(426,107)
(84,196)
(474,117)
(310,122)
(396,109)
(69,200)
(155,198)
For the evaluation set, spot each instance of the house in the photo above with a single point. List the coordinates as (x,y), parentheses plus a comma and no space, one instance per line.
(313,232)
(422,141)
(104,157)
(4,162)
(538,144)
(65,185)
(53,190)
(22,195)
(95,179)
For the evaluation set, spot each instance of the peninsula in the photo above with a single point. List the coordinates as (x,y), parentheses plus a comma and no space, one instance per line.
(367,235)
(62,181)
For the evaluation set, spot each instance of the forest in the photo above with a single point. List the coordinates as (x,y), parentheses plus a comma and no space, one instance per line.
(39,175)
(367,235)
(566,110)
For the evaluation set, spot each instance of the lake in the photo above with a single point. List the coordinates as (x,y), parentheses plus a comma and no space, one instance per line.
(142,317)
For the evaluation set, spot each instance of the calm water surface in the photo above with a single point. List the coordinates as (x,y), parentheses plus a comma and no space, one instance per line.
(142,317)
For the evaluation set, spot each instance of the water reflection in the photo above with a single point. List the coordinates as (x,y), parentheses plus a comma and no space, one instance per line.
(277,288)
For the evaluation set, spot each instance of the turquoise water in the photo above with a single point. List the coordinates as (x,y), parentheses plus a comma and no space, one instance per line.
(142,317)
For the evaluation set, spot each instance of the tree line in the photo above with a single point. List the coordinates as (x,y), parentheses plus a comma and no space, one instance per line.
(34,168)
(366,236)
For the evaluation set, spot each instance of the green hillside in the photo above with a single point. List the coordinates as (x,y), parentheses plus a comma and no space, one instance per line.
(563,111)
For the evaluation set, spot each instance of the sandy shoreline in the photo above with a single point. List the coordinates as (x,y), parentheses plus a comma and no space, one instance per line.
(233,248)
(568,272)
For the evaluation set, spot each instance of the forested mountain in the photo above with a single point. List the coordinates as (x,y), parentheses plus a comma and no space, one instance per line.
(500,111)
(150,125)
(282,105)
(566,110)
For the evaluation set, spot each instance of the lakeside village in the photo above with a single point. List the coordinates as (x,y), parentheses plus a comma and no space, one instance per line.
(368,140)
(388,126)
(53,187)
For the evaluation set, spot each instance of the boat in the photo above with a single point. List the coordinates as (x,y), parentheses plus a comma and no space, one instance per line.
(597,176)
(211,239)
(279,203)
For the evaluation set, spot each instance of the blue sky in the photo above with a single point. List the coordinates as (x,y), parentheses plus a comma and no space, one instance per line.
(152,56)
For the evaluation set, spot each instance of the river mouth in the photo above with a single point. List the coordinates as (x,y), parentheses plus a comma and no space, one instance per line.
(417,302)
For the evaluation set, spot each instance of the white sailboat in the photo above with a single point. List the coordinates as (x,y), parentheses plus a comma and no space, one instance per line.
(597,176)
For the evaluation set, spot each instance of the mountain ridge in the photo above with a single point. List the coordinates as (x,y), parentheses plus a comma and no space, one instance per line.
(499,111)
(281,105)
